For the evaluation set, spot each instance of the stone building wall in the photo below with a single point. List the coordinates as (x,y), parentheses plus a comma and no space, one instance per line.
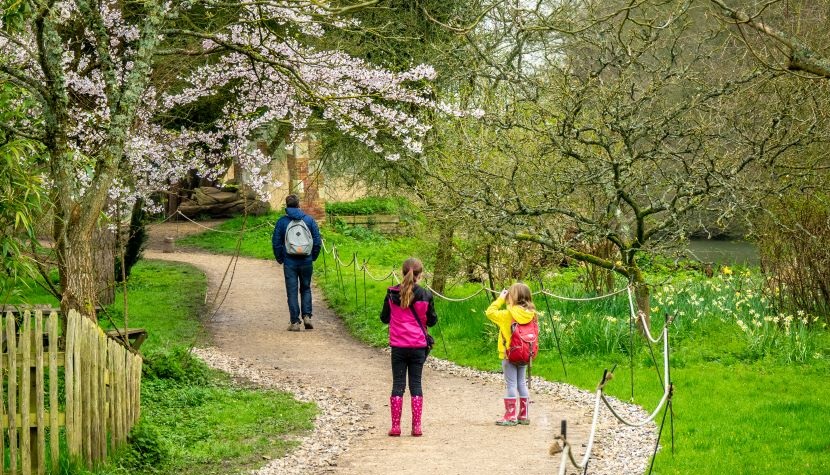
(296,169)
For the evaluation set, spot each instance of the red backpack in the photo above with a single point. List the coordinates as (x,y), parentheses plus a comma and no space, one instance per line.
(524,342)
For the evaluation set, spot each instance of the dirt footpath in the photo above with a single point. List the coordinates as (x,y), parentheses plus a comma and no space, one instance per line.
(459,410)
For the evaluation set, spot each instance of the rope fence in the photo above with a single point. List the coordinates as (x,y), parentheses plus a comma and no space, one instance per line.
(568,457)
(208,228)
(665,405)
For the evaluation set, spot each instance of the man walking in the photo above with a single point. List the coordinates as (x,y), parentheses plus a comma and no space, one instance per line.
(296,243)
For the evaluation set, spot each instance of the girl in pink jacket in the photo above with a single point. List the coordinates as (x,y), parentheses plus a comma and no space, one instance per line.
(408,309)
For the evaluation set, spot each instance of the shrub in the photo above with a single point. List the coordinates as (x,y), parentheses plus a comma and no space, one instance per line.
(364,206)
(358,233)
(177,365)
(147,448)
(794,244)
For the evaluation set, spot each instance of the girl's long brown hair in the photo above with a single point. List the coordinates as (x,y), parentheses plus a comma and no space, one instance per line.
(521,295)
(411,270)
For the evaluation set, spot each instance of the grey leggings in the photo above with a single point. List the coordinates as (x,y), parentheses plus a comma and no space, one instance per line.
(515,379)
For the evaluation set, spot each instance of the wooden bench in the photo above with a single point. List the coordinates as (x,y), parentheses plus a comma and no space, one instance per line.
(135,336)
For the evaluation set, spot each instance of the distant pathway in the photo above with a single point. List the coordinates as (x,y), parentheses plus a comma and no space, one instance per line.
(351,384)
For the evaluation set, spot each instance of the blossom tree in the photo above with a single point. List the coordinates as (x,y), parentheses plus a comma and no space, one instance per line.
(92,71)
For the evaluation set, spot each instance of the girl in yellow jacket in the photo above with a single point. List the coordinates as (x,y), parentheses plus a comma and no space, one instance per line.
(520,309)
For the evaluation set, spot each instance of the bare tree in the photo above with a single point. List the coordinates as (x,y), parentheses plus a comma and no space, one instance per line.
(787,34)
(618,123)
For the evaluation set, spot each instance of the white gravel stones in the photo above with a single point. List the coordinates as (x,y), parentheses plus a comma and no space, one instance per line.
(618,449)
(338,422)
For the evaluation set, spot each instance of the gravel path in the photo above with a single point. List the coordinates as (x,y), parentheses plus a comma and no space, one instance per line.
(350,384)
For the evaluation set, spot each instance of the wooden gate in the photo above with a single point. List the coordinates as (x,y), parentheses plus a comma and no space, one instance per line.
(97,406)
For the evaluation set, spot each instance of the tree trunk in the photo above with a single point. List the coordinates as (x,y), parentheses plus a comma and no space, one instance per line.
(173,199)
(642,300)
(443,259)
(104,264)
(77,273)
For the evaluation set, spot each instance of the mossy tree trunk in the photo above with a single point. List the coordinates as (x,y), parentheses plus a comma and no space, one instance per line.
(443,258)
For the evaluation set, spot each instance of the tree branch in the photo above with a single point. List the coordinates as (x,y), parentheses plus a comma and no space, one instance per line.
(15,131)
(801,56)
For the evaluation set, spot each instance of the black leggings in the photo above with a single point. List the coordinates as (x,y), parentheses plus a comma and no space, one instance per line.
(407,360)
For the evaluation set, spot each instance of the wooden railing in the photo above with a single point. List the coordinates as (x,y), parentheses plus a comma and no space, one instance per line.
(98,406)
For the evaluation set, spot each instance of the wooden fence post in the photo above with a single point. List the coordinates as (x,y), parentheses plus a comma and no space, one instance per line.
(102,385)
(39,432)
(2,401)
(11,339)
(69,387)
(86,391)
(26,395)
(54,432)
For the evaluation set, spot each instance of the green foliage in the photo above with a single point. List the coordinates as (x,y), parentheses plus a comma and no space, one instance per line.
(14,13)
(21,194)
(146,450)
(358,233)
(177,365)
(794,243)
(366,206)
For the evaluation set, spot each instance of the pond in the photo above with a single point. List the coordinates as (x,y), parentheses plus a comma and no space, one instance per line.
(724,252)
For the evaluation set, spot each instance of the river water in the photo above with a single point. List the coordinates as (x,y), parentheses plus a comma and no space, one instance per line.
(724,252)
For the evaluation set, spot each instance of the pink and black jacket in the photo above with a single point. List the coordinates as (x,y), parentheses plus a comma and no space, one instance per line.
(404,331)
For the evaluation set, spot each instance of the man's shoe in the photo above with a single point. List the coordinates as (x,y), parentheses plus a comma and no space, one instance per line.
(307,322)
(294,327)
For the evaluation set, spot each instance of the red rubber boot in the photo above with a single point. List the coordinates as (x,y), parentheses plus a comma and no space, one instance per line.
(395,406)
(509,418)
(417,409)
(523,407)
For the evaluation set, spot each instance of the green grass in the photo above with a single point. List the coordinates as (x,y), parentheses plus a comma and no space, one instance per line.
(166,299)
(221,428)
(256,240)
(194,420)
(740,405)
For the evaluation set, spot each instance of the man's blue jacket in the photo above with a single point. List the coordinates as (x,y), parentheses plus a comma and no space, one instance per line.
(278,238)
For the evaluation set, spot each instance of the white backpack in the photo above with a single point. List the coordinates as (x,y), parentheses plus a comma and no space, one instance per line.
(298,240)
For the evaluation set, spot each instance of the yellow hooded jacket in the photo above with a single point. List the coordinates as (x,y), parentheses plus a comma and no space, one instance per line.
(504,318)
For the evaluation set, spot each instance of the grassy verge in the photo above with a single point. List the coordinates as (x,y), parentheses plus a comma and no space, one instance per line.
(194,420)
(750,394)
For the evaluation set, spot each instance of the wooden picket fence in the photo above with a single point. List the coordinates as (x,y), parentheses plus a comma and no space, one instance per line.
(101,392)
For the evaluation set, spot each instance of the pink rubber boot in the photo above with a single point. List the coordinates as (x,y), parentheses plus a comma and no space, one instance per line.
(395,406)
(509,418)
(417,409)
(523,418)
